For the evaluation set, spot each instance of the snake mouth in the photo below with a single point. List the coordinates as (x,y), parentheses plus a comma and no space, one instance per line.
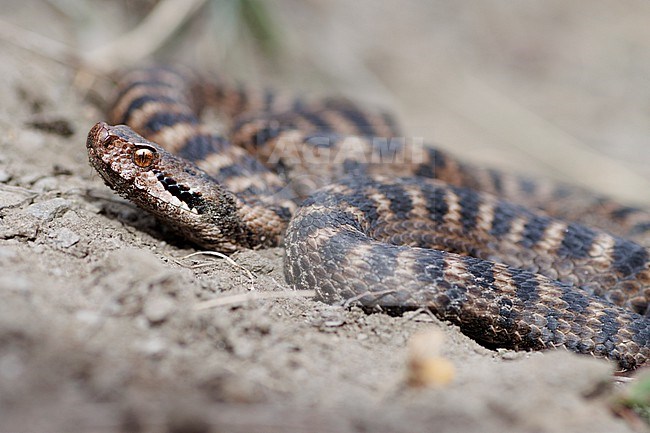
(189,198)
(153,197)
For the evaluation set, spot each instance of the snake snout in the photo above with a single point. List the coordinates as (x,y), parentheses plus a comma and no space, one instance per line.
(98,134)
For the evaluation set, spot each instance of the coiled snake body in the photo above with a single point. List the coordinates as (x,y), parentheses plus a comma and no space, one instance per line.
(392,223)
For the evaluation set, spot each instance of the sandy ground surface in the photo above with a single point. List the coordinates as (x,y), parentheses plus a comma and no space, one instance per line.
(99,325)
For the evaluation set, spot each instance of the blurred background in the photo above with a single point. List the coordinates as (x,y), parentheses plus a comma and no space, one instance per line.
(551,88)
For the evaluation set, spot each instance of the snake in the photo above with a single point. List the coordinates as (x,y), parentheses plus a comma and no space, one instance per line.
(369,216)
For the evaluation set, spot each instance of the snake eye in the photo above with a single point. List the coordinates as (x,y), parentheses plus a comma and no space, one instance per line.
(143,157)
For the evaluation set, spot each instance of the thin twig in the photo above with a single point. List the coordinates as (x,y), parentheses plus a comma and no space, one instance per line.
(246,297)
(251,276)
(415,314)
(376,295)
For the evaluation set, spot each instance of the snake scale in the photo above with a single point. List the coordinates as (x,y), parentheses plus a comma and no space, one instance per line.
(370,217)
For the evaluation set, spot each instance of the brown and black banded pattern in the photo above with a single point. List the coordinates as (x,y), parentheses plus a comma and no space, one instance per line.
(437,233)
(431,253)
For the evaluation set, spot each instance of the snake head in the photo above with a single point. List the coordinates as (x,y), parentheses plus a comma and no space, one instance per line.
(143,171)
(179,193)
(173,189)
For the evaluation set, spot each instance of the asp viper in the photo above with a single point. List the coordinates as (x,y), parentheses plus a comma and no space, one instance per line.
(367,216)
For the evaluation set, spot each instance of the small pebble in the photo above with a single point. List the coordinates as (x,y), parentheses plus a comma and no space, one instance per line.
(46,184)
(64,237)
(333,323)
(158,309)
(153,347)
(50,209)
(509,355)
(329,318)
(19,225)
(426,367)
(10,282)
(88,317)
(12,198)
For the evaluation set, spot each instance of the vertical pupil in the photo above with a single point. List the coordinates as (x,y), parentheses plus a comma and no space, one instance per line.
(143,157)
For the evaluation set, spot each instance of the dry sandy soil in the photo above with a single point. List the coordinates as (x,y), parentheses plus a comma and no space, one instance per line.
(99,325)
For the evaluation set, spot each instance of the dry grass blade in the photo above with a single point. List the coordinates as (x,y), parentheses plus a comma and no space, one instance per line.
(36,43)
(251,276)
(147,37)
(247,297)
